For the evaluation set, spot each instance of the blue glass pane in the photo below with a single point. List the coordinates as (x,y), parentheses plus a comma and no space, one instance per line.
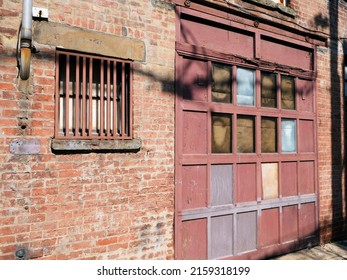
(245,87)
(288,136)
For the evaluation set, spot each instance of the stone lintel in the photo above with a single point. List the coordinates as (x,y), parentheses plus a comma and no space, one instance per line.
(74,38)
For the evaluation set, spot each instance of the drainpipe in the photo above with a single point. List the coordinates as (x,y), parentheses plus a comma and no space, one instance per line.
(25,40)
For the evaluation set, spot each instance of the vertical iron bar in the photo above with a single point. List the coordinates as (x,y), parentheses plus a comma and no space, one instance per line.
(84,94)
(90,123)
(77,98)
(67,91)
(130,93)
(115,97)
(123,101)
(108,128)
(102,92)
(57,97)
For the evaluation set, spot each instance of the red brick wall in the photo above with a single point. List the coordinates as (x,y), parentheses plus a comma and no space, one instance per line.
(95,205)
(120,205)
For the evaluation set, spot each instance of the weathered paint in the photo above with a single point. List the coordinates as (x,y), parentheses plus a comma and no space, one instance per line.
(194,191)
(269,227)
(252,164)
(289,179)
(194,236)
(246,232)
(246,183)
(221,184)
(306,177)
(290,223)
(269,175)
(221,236)
(74,38)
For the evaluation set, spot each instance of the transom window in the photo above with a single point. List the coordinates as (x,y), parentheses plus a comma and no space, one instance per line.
(93,97)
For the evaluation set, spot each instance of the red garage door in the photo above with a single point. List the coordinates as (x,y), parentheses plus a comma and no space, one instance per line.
(246,171)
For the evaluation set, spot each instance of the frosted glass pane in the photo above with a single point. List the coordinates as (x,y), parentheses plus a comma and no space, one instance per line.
(288,136)
(245,87)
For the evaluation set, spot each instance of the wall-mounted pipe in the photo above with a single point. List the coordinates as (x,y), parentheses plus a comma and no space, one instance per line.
(26,39)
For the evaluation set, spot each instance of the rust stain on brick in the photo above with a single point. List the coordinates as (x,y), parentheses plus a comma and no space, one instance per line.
(74,38)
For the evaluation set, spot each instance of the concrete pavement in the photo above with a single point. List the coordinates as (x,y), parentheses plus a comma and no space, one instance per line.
(330,251)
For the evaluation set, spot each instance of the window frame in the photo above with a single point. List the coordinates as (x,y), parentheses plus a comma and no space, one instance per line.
(107,92)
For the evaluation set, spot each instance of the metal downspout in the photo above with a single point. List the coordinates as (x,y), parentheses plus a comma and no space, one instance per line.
(26,39)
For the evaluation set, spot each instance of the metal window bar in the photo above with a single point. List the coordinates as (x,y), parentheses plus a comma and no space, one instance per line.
(92,97)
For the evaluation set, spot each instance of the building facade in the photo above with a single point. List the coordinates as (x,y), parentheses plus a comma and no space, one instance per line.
(172,129)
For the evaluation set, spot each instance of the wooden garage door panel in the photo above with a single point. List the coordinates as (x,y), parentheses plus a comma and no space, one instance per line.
(246,183)
(285,53)
(269,227)
(306,136)
(217,37)
(194,190)
(194,239)
(289,179)
(290,223)
(193,83)
(194,128)
(306,177)
(246,232)
(307,221)
(305,95)
(221,184)
(221,236)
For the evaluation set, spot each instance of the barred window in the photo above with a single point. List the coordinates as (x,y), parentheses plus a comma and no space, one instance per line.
(93,97)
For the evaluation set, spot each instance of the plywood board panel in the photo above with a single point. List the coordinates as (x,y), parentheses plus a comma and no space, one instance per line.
(245,134)
(221,133)
(194,190)
(221,184)
(268,135)
(268,90)
(269,175)
(246,232)
(194,133)
(287,93)
(194,240)
(221,236)
(221,83)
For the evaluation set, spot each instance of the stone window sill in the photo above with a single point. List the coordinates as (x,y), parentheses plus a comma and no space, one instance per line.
(62,145)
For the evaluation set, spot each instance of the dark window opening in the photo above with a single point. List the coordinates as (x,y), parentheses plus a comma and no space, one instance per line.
(93,97)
